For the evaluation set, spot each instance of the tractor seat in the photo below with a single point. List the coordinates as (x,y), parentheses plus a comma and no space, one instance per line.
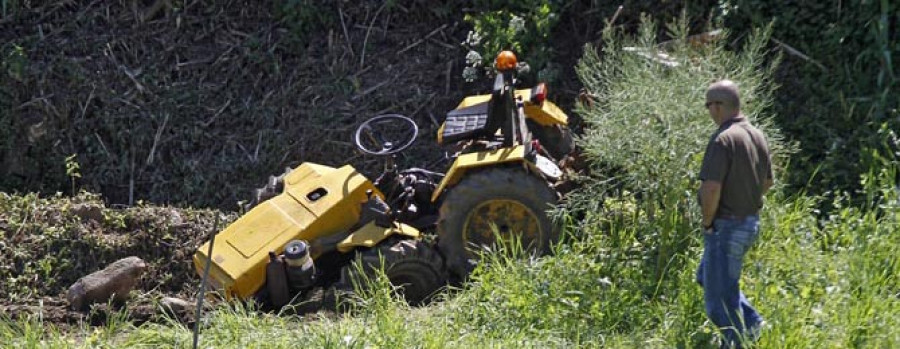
(465,123)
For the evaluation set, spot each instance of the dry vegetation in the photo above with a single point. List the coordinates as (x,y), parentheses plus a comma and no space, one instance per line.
(195,105)
(51,242)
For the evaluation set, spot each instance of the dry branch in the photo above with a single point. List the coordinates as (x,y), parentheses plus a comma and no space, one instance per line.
(362,55)
(370,90)
(159,132)
(796,52)
(615,16)
(346,34)
(420,41)
(87,102)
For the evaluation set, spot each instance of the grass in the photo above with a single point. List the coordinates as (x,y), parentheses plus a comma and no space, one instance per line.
(624,277)
(592,293)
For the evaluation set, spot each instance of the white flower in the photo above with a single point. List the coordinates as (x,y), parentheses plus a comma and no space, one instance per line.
(473,59)
(470,74)
(517,24)
(472,39)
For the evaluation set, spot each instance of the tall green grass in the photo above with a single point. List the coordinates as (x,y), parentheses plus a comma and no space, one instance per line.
(624,277)
(593,293)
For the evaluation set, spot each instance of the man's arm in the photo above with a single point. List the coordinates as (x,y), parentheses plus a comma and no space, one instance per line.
(710,192)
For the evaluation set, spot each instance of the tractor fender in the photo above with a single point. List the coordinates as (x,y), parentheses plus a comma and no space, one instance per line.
(490,158)
(371,234)
(545,114)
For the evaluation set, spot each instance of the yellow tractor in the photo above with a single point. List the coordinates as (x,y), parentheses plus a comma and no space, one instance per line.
(305,228)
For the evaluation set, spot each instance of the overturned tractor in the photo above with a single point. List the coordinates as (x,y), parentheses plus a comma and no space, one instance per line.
(307,227)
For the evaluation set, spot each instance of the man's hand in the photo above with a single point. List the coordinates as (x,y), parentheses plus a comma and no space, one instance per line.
(710,192)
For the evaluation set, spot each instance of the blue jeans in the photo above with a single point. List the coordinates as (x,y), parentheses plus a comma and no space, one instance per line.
(720,273)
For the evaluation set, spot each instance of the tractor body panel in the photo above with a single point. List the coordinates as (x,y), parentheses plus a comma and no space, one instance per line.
(546,114)
(469,161)
(317,201)
(371,234)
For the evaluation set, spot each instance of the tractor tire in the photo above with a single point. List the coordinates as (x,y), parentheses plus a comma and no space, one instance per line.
(556,139)
(273,187)
(415,268)
(508,198)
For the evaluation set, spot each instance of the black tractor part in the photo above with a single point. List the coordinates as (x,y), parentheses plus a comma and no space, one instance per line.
(277,288)
(414,267)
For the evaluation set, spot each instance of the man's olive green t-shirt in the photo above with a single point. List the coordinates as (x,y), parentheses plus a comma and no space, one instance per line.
(738,157)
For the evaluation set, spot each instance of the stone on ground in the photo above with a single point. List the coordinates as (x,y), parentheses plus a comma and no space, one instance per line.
(115,282)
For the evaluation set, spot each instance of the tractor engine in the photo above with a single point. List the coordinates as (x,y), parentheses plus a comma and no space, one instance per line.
(409,192)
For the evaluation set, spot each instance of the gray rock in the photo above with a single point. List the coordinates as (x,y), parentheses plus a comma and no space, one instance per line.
(115,282)
(88,211)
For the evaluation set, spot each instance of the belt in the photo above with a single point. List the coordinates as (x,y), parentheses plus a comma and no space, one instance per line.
(733,217)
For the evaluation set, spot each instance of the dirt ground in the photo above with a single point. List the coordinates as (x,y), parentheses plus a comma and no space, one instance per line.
(49,243)
(194,105)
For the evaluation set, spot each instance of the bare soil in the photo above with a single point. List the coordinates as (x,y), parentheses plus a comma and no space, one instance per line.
(198,104)
(49,243)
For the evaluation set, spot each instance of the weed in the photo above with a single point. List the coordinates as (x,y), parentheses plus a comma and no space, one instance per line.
(73,170)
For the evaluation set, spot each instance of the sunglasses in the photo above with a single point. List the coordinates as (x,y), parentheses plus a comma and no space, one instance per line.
(711,103)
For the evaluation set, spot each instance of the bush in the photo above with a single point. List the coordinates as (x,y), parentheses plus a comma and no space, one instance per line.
(649,125)
(648,130)
(523,27)
(836,101)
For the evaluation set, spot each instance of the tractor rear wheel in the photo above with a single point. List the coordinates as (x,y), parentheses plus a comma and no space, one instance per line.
(509,199)
(415,268)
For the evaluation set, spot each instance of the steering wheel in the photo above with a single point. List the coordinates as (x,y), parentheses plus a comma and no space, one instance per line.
(386,134)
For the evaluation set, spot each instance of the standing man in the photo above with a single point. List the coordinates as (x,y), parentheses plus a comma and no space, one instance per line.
(736,172)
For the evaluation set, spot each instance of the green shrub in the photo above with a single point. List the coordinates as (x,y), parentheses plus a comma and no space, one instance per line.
(649,126)
(660,108)
(523,27)
(647,131)
(835,102)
